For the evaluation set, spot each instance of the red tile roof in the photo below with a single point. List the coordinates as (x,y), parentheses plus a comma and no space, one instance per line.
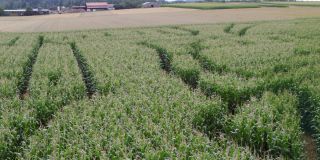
(97,5)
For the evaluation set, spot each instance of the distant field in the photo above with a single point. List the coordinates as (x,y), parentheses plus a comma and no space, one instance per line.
(149,17)
(218,5)
(215,91)
(302,4)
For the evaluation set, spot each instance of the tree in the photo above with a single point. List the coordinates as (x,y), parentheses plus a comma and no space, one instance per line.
(29,11)
(1,11)
(119,4)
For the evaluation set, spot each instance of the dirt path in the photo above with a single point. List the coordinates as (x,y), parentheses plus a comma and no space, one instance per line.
(310,147)
(148,17)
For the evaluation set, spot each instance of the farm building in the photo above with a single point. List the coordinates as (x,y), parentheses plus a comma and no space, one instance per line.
(150,5)
(15,12)
(96,6)
(77,9)
(24,12)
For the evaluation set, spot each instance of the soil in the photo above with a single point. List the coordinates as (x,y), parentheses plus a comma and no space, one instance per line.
(148,17)
(310,147)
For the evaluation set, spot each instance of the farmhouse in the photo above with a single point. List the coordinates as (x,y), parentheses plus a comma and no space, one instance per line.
(96,6)
(150,5)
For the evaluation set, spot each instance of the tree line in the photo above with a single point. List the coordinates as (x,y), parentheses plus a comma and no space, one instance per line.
(16,4)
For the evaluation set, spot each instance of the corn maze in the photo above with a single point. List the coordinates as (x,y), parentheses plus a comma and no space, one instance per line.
(222,91)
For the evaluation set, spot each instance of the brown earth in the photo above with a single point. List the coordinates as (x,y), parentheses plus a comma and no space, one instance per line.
(310,147)
(149,17)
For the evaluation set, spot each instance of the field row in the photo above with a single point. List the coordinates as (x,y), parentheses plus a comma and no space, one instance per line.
(237,91)
(48,80)
(234,93)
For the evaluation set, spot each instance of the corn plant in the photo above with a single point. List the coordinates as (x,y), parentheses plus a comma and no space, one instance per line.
(228,28)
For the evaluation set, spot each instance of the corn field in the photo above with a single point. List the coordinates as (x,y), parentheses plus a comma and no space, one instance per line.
(211,91)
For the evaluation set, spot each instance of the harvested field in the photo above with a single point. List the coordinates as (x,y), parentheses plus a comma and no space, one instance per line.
(222,5)
(148,17)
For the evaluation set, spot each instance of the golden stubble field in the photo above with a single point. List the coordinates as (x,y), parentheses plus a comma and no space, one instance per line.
(148,17)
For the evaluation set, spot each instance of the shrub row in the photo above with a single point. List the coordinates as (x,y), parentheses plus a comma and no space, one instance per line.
(24,78)
(87,74)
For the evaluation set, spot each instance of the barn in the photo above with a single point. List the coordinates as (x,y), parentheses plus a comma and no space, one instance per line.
(97,6)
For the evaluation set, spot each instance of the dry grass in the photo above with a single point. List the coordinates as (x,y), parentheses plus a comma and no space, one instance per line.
(148,17)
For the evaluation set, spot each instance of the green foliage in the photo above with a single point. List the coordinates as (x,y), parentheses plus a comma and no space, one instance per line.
(212,5)
(189,76)
(211,119)
(13,41)
(306,50)
(54,78)
(294,3)
(271,124)
(119,4)
(205,62)
(220,5)
(251,97)
(107,34)
(281,68)
(28,67)
(230,94)
(228,28)
(1,11)
(243,31)
(164,55)
(191,31)
(209,65)
(87,74)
